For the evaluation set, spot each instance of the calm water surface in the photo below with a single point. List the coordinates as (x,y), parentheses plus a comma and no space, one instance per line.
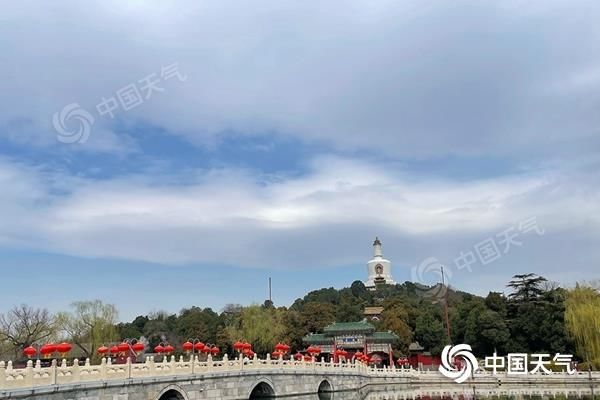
(408,395)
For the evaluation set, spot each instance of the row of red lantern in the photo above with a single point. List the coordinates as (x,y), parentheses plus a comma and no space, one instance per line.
(312,352)
(48,349)
(160,349)
(341,353)
(242,347)
(200,347)
(121,348)
(362,357)
(299,356)
(281,349)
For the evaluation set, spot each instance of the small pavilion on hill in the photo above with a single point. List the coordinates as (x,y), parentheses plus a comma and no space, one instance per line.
(354,337)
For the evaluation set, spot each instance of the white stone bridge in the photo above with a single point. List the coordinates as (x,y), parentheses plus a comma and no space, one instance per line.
(246,379)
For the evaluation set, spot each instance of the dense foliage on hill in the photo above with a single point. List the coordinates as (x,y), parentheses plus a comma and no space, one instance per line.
(530,319)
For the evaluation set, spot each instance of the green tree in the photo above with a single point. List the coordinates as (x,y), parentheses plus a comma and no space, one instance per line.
(261,326)
(486,331)
(583,321)
(395,318)
(197,323)
(496,301)
(315,316)
(89,325)
(429,332)
(526,287)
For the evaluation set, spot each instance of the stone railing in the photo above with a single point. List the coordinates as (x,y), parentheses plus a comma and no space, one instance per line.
(34,375)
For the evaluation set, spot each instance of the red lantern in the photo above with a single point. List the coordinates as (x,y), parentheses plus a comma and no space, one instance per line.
(247,346)
(29,351)
(114,350)
(358,355)
(138,347)
(102,350)
(249,354)
(280,347)
(238,346)
(64,348)
(215,350)
(123,347)
(199,346)
(277,354)
(298,356)
(314,350)
(48,349)
(159,349)
(188,347)
(169,349)
(308,358)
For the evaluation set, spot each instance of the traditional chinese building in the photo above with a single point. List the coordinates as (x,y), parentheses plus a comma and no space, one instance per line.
(353,337)
(420,359)
(379,269)
(373,313)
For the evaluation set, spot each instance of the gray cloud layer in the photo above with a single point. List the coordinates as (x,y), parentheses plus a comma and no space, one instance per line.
(410,79)
(510,80)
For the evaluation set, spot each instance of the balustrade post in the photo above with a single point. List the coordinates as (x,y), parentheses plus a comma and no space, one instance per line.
(172,365)
(29,373)
(54,371)
(151,366)
(103,368)
(75,371)
(2,374)
(225,361)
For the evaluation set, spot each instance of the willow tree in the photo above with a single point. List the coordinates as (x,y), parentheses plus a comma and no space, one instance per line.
(582,315)
(259,325)
(90,325)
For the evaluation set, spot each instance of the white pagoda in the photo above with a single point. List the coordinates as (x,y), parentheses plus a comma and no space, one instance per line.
(379,269)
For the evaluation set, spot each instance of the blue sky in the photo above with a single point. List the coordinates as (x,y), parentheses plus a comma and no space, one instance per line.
(283,137)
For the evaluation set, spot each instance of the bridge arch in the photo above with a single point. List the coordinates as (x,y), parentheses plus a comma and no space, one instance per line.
(172,392)
(262,390)
(325,390)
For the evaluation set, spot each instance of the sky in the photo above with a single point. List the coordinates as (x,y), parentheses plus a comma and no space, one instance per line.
(159,155)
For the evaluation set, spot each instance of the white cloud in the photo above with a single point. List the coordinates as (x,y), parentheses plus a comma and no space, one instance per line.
(226,216)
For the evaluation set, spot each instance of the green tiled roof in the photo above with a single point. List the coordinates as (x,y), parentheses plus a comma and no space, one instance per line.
(337,327)
(382,337)
(317,338)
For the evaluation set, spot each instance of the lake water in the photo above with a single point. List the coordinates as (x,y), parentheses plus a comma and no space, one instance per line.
(409,395)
